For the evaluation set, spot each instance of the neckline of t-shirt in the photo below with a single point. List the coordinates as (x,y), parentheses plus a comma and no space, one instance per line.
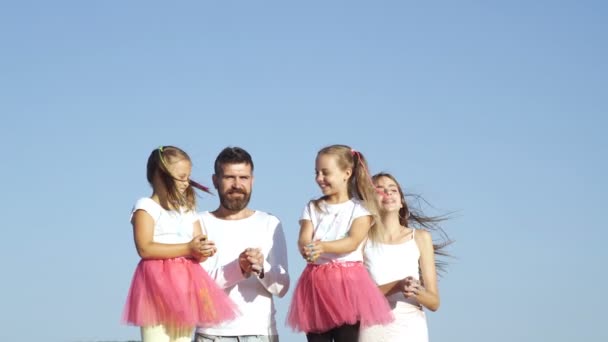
(255,213)
(166,210)
(333,205)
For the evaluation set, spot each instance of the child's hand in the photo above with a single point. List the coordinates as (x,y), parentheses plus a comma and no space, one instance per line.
(305,251)
(313,250)
(208,248)
(196,245)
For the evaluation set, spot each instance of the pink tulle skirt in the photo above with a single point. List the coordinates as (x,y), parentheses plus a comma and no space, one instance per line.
(178,293)
(333,294)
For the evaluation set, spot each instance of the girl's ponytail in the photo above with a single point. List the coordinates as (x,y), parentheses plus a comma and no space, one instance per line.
(362,187)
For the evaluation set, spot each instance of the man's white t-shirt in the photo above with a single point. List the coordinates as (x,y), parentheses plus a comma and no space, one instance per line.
(253,296)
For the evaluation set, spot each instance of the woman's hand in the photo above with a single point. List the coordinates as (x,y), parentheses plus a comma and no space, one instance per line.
(411,287)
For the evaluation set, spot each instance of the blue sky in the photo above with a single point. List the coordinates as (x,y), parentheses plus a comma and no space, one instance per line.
(495,110)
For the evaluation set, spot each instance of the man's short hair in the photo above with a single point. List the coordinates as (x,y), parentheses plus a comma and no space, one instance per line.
(232,155)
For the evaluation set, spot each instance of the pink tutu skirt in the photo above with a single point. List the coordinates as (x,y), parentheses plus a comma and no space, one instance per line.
(176,292)
(333,294)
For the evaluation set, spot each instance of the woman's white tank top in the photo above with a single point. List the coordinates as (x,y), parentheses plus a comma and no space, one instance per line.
(390,262)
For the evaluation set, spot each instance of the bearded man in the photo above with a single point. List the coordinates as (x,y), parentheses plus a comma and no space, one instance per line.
(247,253)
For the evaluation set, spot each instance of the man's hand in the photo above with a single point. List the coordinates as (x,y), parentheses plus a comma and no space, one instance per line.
(251,260)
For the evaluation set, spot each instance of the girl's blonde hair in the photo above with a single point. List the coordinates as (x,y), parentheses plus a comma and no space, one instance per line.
(158,162)
(360,185)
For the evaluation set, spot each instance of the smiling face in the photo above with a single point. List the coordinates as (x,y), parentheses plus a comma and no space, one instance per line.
(390,197)
(234,184)
(332,179)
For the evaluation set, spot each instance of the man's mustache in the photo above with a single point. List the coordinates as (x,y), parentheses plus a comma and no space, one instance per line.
(236,191)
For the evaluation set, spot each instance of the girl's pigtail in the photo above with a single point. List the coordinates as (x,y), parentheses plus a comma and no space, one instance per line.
(200,187)
(363,187)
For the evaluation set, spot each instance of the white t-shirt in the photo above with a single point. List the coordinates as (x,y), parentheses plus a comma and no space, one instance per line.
(333,222)
(170,226)
(253,296)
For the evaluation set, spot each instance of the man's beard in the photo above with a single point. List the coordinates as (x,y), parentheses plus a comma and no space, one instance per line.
(235,204)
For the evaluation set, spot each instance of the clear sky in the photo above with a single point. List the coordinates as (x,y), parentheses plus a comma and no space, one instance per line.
(495,110)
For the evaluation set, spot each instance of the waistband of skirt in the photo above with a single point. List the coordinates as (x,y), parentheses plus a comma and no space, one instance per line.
(341,264)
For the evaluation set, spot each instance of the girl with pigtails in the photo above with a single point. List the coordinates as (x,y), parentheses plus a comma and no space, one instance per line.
(335,295)
(170,292)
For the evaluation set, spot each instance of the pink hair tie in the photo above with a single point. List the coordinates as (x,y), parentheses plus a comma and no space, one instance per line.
(200,186)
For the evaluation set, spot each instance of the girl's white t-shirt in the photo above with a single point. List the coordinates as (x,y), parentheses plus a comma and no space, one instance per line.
(332,222)
(170,226)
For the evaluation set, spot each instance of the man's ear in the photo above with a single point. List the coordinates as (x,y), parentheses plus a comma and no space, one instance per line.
(215,181)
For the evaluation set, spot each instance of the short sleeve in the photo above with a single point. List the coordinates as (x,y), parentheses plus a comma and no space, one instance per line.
(306,212)
(149,206)
(360,210)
